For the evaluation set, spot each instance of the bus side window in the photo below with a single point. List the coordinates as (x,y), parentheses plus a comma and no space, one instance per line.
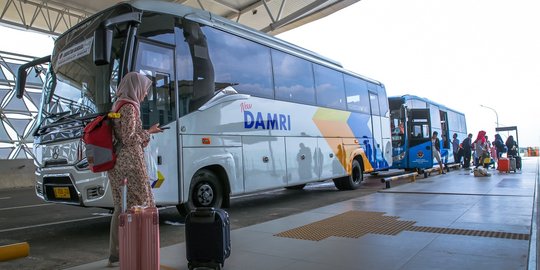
(357,94)
(293,78)
(329,87)
(420,131)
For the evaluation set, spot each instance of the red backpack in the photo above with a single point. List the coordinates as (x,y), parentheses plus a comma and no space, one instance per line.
(98,137)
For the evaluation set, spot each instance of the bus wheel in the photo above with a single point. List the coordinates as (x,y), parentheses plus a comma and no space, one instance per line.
(354,180)
(205,191)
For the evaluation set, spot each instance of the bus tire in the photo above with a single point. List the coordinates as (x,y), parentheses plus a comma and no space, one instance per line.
(353,181)
(296,187)
(183,209)
(206,191)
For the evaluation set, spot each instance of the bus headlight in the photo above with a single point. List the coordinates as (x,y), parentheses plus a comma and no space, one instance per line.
(38,153)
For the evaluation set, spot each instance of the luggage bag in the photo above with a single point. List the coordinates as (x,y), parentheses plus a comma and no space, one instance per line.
(138,236)
(512,164)
(208,240)
(503,164)
(518,162)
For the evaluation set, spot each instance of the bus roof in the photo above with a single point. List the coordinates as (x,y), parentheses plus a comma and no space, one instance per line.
(410,97)
(219,22)
(227,25)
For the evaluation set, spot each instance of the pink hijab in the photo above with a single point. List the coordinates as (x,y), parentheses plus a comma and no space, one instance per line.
(133,87)
(481,136)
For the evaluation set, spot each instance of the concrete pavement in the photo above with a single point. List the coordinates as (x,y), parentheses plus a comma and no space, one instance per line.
(452,221)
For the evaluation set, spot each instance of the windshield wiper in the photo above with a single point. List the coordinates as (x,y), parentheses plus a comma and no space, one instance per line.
(63,119)
(62,116)
(68,117)
(59,114)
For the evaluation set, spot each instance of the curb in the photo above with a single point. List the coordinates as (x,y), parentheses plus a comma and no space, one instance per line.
(14,251)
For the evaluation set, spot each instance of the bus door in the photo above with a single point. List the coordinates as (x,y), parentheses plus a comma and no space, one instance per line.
(398,127)
(374,152)
(156,61)
(419,146)
(446,150)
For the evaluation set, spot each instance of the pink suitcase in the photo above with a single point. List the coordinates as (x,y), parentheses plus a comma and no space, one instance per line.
(138,236)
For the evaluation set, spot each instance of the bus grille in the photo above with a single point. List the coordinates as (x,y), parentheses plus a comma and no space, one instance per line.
(60,189)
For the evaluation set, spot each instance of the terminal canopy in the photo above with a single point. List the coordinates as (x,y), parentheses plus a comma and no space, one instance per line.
(270,16)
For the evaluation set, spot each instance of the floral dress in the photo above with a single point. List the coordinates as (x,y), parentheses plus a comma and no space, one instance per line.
(130,162)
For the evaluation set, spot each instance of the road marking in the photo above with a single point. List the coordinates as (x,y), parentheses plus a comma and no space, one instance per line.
(49,224)
(102,214)
(5,198)
(95,216)
(25,206)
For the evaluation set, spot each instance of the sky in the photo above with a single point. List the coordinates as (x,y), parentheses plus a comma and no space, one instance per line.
(25,42)
(459,53)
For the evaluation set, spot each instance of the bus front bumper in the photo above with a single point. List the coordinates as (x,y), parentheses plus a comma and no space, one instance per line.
(68,185)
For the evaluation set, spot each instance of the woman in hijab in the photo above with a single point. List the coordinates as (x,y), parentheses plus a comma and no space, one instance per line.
(479,147)
(499,145)
(130,162)
(512,146)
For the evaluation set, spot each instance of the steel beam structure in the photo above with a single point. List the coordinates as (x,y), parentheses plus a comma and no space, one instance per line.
(270,16)
(48,17)
(18,116)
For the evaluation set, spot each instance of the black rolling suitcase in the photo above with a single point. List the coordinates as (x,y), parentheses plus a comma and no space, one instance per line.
(208,238)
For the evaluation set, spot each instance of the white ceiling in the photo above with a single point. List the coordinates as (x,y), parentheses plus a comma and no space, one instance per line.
(270,16)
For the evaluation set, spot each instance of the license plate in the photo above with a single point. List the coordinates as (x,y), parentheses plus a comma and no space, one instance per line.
(61,193)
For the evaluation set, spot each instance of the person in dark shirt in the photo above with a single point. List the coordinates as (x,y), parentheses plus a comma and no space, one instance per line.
(456,148)
(467,151)
(512,146)
(499,145)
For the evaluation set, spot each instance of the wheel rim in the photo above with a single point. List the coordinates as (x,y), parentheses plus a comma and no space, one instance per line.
(205,195)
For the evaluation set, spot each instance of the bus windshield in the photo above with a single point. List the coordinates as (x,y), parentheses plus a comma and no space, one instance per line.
(77,88)
(82,88)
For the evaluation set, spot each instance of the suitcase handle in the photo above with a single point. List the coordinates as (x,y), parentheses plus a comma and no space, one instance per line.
(204,212)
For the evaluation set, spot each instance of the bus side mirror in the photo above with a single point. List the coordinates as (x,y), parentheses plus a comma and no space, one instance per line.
(21,82)
(102,45)
(103,36)
(22,74)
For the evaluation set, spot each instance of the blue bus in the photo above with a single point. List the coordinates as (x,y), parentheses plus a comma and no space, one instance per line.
(413,120)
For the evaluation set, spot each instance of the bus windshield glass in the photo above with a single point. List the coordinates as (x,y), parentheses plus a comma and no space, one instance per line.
(81,88)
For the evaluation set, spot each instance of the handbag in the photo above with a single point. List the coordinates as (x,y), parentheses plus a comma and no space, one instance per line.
(486,158)
(150,158)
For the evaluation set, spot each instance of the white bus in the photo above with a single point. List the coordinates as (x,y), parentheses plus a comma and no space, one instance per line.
(247,112)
